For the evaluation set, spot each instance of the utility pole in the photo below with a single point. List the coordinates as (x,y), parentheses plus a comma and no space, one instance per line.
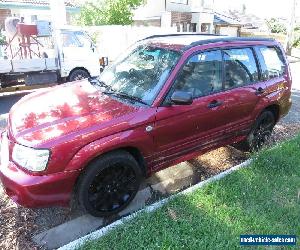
(58,20)
(291,28)
(58,13)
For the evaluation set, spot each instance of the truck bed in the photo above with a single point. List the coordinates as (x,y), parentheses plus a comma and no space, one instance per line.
(28,65)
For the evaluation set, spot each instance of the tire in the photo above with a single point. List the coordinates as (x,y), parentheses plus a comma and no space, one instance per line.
(109,184)
(78,74)
(260,132)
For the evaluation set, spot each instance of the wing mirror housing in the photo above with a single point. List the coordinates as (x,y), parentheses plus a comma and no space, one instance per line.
(182,98)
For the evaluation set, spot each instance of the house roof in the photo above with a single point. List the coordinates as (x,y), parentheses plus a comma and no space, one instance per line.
(34,3)
(223,19)
(249,20)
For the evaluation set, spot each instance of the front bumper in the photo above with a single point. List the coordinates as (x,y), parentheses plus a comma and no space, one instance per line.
(36,191)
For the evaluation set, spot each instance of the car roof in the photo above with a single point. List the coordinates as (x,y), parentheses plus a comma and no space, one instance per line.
(188,40)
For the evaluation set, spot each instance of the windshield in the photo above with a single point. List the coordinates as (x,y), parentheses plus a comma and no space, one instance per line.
(141,73)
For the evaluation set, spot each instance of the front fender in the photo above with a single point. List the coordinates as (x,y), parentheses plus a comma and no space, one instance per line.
(137,138)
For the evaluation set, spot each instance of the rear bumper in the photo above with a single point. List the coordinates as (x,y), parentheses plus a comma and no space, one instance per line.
(37,191)
(285,107)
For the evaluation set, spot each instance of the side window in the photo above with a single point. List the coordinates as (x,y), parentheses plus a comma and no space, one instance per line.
(272,62)
(201,75)
(69,40)
(240,67)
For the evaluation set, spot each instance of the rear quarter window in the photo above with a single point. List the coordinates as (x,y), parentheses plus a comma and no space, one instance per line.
(271,62)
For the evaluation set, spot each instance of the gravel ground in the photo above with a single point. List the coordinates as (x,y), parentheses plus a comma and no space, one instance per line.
(18,224)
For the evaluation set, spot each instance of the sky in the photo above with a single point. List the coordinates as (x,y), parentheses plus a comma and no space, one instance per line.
(261,8)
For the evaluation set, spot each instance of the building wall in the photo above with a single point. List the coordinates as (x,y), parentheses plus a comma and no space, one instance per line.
(154,8)
(185,15)
(30,15)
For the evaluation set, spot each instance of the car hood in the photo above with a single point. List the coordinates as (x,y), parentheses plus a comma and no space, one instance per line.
(62,110)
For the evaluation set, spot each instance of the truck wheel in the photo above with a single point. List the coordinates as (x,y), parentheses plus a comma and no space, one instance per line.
(109,184)
(260,132)
(78,74)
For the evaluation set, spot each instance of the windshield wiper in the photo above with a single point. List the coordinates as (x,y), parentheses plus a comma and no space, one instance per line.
(110,91)
(126,96)
(99,83)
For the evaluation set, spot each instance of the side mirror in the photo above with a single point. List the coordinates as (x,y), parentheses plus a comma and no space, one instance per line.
(103,61)
(182,98)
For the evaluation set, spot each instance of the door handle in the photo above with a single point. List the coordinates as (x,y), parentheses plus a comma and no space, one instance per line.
(259,91)
(214,104)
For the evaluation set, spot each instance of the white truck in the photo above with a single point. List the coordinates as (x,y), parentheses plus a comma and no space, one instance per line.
(35,55)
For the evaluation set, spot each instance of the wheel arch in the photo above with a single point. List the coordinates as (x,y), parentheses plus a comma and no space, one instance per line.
(77,68)
(135,152)
(275,109)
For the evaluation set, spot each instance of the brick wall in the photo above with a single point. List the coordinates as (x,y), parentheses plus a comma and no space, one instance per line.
(4,13)
(181,17)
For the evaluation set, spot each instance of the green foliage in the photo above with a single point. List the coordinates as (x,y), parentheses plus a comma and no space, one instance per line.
(276,26)
(296,42)
(108,12)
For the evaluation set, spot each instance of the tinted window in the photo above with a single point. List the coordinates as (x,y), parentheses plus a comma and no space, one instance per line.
(201,75)
(240,67)
(272,62)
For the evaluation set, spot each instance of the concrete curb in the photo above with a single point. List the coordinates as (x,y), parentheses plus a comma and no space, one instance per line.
(151,208)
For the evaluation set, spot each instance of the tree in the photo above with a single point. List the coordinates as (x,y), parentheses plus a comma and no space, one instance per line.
(118,12)
(276,26)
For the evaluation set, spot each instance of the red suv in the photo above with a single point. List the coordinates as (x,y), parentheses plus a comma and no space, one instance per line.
(167,100)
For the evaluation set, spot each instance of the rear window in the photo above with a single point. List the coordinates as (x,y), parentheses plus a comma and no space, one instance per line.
(272,62)
(240,67)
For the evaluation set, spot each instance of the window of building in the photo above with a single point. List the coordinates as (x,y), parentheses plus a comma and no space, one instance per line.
(179,1)
(34,18)
(205,27)
(201,75)
(240,67)
(193,27)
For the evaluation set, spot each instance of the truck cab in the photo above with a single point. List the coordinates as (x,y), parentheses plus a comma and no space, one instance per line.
(79,57)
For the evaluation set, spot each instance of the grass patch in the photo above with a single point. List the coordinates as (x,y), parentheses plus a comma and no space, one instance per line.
(261,199)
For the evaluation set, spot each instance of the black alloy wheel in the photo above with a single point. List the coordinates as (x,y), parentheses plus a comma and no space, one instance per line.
(109,184)
(262,131)
(78,74)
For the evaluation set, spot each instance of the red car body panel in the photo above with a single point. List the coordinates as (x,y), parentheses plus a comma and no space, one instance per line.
(88,124)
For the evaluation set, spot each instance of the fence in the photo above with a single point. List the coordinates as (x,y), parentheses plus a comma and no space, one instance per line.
(279,37)
(112,40)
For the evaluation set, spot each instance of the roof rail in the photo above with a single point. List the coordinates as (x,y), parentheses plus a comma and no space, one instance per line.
(228,39)
(180,34)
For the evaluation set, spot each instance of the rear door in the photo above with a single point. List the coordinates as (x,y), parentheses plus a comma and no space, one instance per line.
(243,89)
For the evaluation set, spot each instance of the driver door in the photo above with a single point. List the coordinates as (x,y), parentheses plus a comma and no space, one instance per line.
(183,129)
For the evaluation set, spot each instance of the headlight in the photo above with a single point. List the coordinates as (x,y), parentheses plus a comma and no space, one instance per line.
(32,159)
